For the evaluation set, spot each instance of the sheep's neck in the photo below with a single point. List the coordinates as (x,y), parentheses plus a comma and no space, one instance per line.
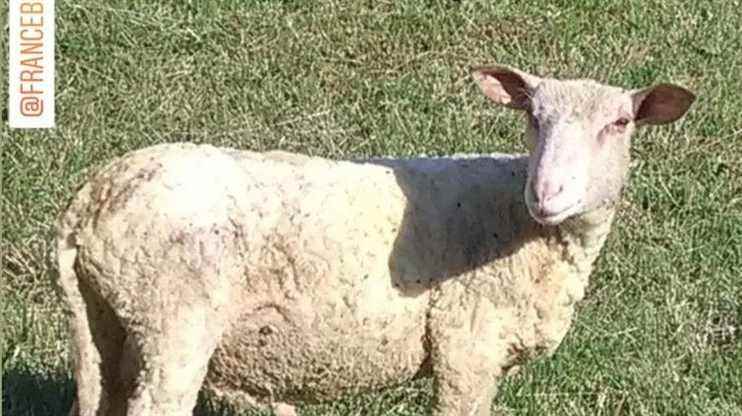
(585,235)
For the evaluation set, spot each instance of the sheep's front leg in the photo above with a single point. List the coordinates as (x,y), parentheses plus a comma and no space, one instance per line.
(465,380)
(468,354)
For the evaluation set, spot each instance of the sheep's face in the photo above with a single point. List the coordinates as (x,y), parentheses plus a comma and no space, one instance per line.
(578,133)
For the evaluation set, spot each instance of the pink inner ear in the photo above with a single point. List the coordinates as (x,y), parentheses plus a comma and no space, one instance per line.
(503,86)
(514,87)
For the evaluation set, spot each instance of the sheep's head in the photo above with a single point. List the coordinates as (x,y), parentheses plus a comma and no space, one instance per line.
(578,133)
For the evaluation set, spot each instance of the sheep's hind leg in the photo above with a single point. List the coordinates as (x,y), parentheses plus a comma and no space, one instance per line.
(173,362)
(97,341)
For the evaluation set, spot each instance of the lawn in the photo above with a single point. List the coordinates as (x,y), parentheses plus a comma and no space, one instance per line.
(659,332)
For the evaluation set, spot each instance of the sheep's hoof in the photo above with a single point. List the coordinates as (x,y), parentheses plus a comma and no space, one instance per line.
(283,409)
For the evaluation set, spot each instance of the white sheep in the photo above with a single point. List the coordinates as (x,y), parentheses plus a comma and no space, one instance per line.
(278,278)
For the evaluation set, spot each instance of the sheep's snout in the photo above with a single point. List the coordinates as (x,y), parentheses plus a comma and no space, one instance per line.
(549,203)
(557,181)
(546,192)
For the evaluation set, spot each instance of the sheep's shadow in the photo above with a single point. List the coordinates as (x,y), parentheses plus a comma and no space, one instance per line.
(29,392)
(461,214)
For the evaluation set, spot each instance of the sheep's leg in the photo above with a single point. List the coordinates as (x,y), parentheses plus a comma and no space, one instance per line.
(283,409)
(464,391)
(97,341)
(98,338)
(174,361)
(467,362)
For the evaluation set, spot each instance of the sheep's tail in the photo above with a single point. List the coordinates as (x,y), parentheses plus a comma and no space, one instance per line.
(69,289)
(66,254)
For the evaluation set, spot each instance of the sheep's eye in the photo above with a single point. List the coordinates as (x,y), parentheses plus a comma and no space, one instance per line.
(621,122)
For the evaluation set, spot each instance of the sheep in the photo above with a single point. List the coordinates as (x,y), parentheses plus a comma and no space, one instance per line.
(272,279)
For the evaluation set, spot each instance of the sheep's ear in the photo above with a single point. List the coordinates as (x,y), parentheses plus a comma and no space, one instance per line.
(660,104)
(506,86)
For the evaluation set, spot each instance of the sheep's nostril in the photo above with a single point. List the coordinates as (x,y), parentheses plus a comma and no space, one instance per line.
(557,192)
(549,190)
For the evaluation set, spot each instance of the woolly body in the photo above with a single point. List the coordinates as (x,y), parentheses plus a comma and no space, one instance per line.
(319,278)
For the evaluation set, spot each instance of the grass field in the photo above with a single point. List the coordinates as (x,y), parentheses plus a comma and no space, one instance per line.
(660,330)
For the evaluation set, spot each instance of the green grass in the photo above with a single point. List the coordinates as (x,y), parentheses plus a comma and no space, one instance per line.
(659,332)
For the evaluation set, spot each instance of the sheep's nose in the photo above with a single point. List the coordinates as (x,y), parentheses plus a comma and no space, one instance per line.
(547,193)
(550,190)
(547,190)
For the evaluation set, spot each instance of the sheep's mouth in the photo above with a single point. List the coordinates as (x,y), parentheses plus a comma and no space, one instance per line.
(554,219)
(551,218)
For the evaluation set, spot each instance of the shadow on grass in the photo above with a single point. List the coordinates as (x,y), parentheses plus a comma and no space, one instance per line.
(35,393)
(30,392)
